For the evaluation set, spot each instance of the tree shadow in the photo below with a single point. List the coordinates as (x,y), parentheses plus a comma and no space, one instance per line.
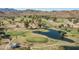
(71,47)
(53,34)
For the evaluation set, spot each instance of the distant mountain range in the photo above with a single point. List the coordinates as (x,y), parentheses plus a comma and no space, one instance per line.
(60,14)
(7,10)
(15,10)
(28,10)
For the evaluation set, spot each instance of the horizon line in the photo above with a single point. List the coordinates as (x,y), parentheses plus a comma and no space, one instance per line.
(45,9)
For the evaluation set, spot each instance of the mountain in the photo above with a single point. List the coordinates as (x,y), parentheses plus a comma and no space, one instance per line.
(15,10)
(7,10)
(59,14)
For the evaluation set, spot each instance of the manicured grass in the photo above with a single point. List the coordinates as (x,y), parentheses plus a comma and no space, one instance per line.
(37,39)
(70,31)
(17,33)
(74,32)
(40,48)
(42,30)
(48,48)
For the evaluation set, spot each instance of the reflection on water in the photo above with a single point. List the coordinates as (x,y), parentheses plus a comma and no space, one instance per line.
(53,34)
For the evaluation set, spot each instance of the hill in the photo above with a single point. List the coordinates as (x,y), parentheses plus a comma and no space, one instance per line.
(59,14)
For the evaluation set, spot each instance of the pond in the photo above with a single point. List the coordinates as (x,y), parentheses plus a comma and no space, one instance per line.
(53,34)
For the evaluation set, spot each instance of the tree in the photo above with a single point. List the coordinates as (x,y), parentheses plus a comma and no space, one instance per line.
(0,40)
(78,29)
(27,22)
(69,19)
(75,21)
(54,19)
(62,34)
(13,20)
(35,22)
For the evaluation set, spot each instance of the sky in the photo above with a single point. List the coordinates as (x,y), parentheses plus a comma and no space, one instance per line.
(48,9)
